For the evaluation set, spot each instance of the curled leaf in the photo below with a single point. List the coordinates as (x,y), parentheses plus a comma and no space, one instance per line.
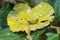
(26,19)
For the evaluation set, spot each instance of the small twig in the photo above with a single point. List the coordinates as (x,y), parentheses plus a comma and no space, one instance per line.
(54,26)
(57,29)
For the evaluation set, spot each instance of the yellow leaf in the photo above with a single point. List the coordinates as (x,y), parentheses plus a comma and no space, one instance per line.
(24,18)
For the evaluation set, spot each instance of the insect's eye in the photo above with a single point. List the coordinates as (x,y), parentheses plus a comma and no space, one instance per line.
(44,21)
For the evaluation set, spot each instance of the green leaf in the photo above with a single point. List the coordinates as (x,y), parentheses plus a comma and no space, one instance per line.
(6,34)
(56,5)
(35,35)
(52,36)
(3,14)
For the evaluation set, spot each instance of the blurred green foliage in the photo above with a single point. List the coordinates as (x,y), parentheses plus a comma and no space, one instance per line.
(56,6)
(6,34)
(52,36)
(3,14)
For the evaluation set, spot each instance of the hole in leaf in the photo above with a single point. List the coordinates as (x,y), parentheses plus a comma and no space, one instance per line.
(32,22)
(44,21)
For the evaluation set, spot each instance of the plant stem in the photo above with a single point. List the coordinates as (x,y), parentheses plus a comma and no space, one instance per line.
(58,30)
(29,37)
(28,33)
